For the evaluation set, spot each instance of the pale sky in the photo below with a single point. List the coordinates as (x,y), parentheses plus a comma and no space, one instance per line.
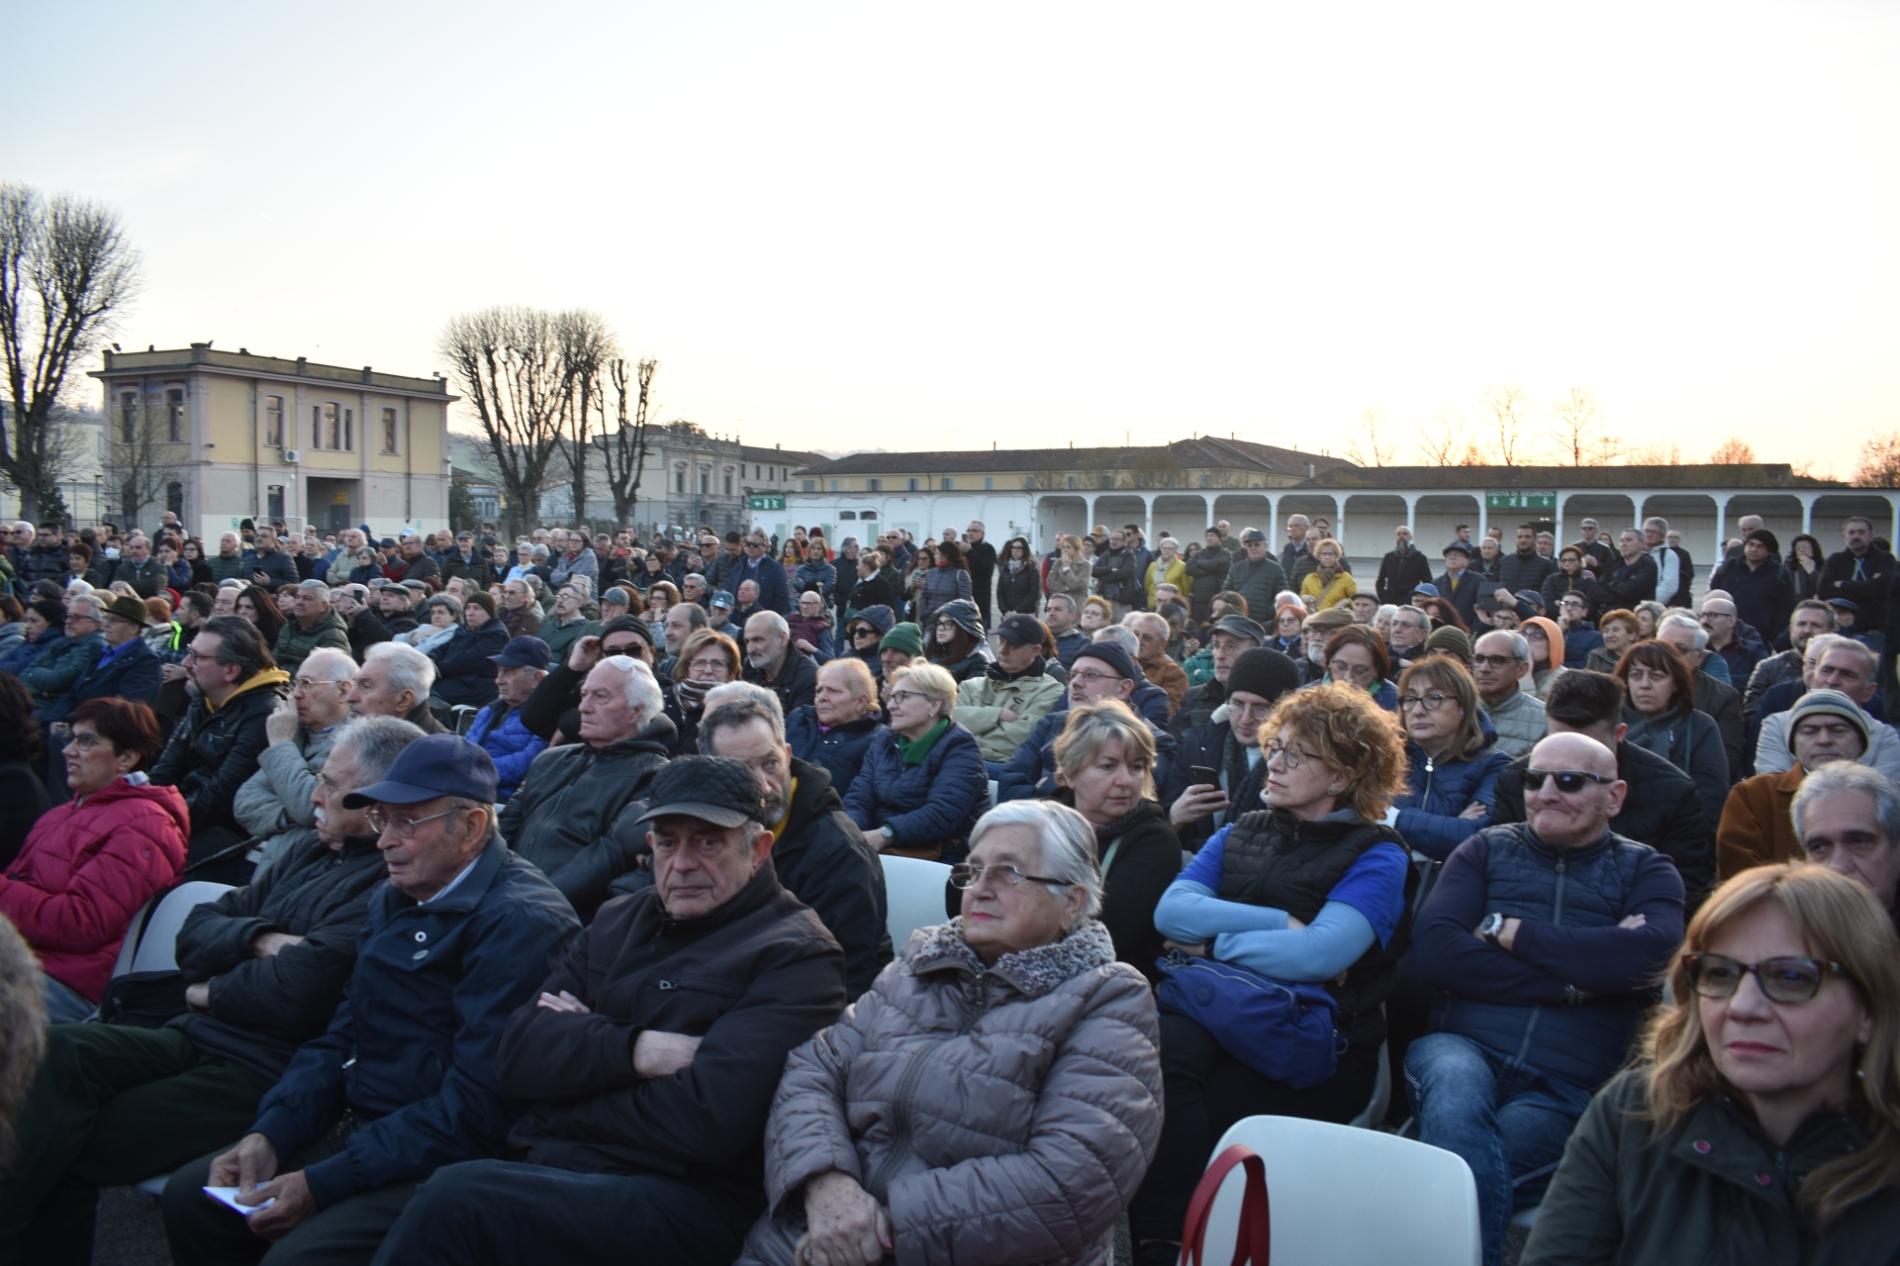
(907,226)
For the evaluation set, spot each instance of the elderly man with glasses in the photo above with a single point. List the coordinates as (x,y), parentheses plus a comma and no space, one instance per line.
(1537,1009)
(404,1080)
(1500,665)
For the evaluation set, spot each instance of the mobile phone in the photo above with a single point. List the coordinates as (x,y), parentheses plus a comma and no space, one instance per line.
(1199,774)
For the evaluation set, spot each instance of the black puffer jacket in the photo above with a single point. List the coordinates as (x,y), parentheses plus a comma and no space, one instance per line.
(464,672)
(839,749)
(212,752)
(263,1008)
(1143,856)
(571,800)
(1019,590)
(824,861)
(1660,810)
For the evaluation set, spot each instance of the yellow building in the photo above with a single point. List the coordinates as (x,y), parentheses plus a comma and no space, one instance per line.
(217,437)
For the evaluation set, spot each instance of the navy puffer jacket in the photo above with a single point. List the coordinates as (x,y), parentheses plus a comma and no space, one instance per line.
(1440,790)
(839,749)
(936,802)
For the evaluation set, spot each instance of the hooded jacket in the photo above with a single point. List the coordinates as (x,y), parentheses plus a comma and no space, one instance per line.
(755,977)
(85,870)
(499,731)
(264,1006)
(53,671)
(295,642)
(982,700)
(1002,1114)
(214,749)
(572,796)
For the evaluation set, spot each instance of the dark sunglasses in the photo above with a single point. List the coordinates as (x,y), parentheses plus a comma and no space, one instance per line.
(862,631)
(1569,781)
(1791,979)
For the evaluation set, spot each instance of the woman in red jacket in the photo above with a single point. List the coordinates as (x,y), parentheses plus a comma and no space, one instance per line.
(91,863)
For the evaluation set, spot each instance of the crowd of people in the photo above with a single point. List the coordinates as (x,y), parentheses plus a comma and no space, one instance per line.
(556,918)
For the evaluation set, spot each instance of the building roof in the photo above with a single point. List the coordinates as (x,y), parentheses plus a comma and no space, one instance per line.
(1616,478)
(201,358)
(1202,452)
(792,457)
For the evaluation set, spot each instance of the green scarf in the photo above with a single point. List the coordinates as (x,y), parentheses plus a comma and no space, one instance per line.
(914,751)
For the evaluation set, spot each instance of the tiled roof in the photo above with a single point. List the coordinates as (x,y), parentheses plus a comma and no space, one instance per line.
(1203,452)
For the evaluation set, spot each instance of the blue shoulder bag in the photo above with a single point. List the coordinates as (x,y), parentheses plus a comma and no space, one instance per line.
(1280,1029)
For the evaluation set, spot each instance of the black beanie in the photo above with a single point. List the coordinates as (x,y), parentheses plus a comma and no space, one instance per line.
(1263,671)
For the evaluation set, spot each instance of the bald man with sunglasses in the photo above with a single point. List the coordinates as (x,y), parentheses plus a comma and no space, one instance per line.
(1543,940)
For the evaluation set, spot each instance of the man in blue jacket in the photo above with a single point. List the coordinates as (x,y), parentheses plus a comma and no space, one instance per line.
(127,668)
(766,572)
(499,729)
(403,1081)
(1544,939)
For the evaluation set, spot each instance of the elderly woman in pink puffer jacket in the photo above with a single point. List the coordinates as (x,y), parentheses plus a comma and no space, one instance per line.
(994,1098)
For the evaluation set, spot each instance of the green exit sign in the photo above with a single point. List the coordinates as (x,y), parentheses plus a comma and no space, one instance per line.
(1521,501)
(765,501)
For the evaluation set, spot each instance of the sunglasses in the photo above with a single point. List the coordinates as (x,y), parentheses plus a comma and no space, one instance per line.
(1791,979)
(1569,781)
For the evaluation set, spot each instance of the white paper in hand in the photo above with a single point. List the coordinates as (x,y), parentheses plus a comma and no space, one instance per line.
(227,1196)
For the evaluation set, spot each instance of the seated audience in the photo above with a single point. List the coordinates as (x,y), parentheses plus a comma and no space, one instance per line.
(772,661)
(955,639)
(1809,619)
(1356,656)
(22,1030)
(88,865)
(1105,767)
(1546,642)
(572,795)
(1228,745)
(127,668)
(1831,662)
(404,1080)
(260,969)
(313,623)
(1544,939)
(1152,634)
(1003,704)
(922,785)
(638,1107)
(1759,1122)
(1847,818)
(1756,827)
(1045,1094)
(1230,637)
(1309,889)
(498,728)
(65,659)
(553,710)
(1500,661)
(1328,584)
(394,681)
(275,804)
(1103,669)
(465,662)
(835,728)
(1452,766)
(708,658)
(43,624)
(1662,717)
(1714,698)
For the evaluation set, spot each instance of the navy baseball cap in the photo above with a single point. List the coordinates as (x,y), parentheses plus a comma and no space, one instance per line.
(1430,591)
(1023,630)
(715,789)
(1457,547)
(1251,535)
(434,765)
(523,652)
(723,598)
(1119,661)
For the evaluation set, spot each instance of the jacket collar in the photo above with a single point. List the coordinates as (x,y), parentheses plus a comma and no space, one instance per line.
(469,893)
(1031,972)
(1720,1136)
(263,679)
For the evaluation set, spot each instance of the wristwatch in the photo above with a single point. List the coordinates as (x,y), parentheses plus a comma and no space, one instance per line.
(1492,927)
(889,835)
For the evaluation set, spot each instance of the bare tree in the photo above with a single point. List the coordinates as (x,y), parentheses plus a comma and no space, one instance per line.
(1444,442)
(1370,447)
(145,444)
(1507,413)
(1579,433)
(586,348)
(510,365)
(66,272)
(623,447)
(1733,451)
(1879,465)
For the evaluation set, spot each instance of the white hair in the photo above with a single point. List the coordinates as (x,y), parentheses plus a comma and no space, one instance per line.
(643,692)
(406,667)
(1067,840)
(1122,636)
(326,663)
(1682,620)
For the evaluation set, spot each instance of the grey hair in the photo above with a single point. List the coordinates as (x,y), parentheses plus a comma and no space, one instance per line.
(695,615)
(1067,839)
(1424,619)
(643,692)
(334,664)
(1137,620)
(1682,620)
(91,599)
(313,585)
(775,620)
(1122,636)
(376,742)
(231,583)
(1520,645)
(1846,775)
(407,668)
(448,602)
(1840,641)
(735,703)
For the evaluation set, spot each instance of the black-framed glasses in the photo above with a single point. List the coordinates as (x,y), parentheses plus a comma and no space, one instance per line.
(970,874)
(1290,757)
(1495,661)
(863,631)
(1795,978)
(1569,781)
(1423,703)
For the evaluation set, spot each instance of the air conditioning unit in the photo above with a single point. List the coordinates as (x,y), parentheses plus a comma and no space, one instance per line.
(292,456)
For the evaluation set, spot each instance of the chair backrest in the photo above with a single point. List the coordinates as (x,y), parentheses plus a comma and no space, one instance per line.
(158,944)
(1426,1213)
(913,890)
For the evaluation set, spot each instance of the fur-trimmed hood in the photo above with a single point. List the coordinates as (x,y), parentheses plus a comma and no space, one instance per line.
(1033,972)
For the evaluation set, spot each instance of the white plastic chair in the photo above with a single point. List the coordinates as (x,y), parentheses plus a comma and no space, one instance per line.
(1317,1172)
(913,890)
(152,944)
(1381,1094)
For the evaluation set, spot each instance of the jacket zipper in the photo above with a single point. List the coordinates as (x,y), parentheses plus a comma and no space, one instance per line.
(1556,920)
(900,1105)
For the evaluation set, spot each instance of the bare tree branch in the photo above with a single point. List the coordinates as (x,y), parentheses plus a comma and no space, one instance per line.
(1879,465)
(508,360)
(1370,447)
(624,447)
(1507,413)
(1733,451)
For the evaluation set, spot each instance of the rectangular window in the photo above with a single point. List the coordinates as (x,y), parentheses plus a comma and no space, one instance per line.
(811,485)
(705,482)
(129,416)
(274,501)
(834,485)
(174,414)
(728,483)
(274,421)
(989,483)
(349,431)
(679,481)
(912,484)
(324,426)
(389,430)
(874,485)
(949,484)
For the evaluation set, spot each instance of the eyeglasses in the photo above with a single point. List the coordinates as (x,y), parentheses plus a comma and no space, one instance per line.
(1424,703)
(1569,781)
(862,632)
(404,828)
(895,695)
(1495,661)
(65,736)
(970,874)
(1796,978)
(1093,677)
(1289,757)
(1339,668)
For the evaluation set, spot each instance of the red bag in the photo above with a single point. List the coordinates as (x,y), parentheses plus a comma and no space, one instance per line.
(1253,1242)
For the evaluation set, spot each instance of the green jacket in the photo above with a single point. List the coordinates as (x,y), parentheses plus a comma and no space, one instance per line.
(1713,1192)
(294,644)
(561,637)
(981,702)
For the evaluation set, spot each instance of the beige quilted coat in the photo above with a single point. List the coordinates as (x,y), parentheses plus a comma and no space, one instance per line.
(1001,1116)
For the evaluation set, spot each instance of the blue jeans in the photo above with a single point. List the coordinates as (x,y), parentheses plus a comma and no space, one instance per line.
(1507,1120)
(64,1004)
